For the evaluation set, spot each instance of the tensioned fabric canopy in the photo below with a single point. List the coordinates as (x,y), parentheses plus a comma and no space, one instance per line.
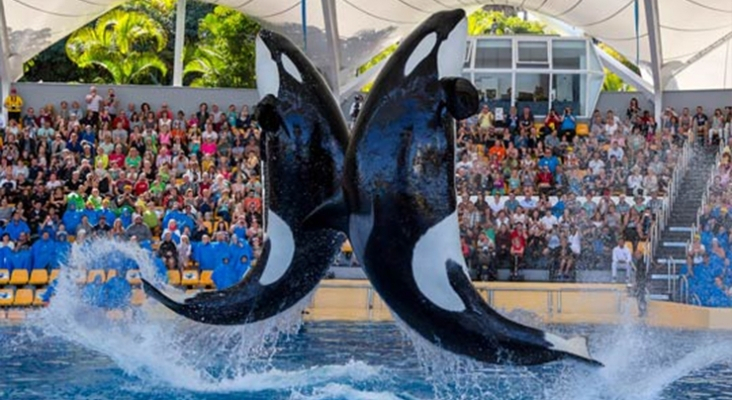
(691,39)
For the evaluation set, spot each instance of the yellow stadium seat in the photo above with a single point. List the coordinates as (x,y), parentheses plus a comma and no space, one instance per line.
(23,297)
(4,276)
(133,277)
(629,246)
(94,274)
(54,275)
(72,238)
(206,278)
(111,274)
(192,292)
(19,277)
(138,297)
(6,297)
(347,248)
(583,129)
(38,298)
(38,277)
(189,277)
(16,315)
(174,277)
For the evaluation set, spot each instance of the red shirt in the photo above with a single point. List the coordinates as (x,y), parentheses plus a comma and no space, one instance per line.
(544,177)
(141,187)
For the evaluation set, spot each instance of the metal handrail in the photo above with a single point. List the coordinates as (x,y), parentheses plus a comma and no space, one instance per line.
(684,289)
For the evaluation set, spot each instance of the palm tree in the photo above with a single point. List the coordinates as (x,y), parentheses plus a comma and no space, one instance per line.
(126,45)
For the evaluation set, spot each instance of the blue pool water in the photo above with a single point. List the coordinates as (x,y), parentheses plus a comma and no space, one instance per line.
(71,350)
(370,361)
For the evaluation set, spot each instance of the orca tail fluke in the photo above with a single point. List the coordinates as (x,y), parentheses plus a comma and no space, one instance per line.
(332,214)
(576,348)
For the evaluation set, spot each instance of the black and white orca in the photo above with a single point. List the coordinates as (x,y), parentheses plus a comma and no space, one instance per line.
(400,203)
(305,140)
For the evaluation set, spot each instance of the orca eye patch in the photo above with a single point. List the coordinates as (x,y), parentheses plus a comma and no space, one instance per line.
(423,49)
(291,68)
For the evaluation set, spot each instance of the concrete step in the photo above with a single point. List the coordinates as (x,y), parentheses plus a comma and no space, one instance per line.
(674,244)
(677,261)
(658,297)
(686,229)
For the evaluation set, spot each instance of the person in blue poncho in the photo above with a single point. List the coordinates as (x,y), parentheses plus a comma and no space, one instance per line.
(240,227)
(231,269)
(62,250)
(716,295)
(117,293)
(16,227)
(21,257)
(106,211)
(71,218)
(204,253)
(43,251)
(90,213)
(93,293)
(6,250)
(126,217)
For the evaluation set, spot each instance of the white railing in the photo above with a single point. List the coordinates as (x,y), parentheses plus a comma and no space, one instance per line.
(684,289)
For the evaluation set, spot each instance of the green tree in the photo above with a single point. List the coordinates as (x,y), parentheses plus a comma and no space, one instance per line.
(224,55)
(612,82)
(483,22)
(124,45)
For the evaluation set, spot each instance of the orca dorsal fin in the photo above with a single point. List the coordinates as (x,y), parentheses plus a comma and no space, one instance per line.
(331,214)
(461,97)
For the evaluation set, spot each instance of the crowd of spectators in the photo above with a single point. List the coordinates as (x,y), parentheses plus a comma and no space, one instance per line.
(553,194)
(574,192)
(184,184)
(708,257)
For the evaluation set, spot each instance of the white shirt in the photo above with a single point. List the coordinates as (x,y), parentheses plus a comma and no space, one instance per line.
(617,152)
(621,255)
(596,166)
(528,203)
(495,204)
(549,221)
(635,182)
(95,103)
(574,243)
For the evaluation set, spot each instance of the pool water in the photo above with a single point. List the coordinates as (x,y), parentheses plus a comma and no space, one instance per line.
(368,361)
(73,350)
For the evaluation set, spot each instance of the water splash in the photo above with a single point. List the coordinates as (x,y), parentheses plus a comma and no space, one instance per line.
(640,363)
(163,349)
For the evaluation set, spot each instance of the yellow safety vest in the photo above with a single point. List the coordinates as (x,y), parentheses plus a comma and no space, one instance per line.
(13,103)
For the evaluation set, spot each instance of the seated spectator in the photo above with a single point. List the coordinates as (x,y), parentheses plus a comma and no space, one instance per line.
(622,259)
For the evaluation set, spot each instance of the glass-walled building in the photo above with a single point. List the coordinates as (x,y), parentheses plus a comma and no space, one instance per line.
(539,72)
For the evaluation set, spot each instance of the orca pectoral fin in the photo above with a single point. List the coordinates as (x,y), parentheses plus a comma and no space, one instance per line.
(332,214)
(461,97)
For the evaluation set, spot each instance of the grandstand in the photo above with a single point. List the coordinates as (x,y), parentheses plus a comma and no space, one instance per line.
(541,197)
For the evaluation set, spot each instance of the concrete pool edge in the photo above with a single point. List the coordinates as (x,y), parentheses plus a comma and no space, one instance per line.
(550,303)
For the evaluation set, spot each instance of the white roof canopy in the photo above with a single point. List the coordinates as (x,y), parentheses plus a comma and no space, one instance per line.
(693,43)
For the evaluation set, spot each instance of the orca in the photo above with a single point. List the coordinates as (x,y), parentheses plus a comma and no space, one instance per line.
(400,204)
(304,143)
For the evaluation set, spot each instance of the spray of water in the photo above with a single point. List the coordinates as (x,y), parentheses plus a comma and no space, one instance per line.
(162,349)
(640,362)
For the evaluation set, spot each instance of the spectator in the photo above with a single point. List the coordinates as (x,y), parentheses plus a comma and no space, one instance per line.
(622,259)
(138,229)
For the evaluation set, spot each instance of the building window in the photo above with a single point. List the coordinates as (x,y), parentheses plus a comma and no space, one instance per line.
(493,54)
(569,54)
(532,54)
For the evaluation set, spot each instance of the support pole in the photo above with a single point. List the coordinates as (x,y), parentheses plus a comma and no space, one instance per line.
(654,39)
(5,73)
(180,37)
(334,50)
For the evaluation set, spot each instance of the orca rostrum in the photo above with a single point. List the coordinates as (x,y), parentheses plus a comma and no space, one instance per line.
(399,204)
(304,143)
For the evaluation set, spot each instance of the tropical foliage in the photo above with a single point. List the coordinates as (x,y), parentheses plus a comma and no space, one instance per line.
(224,55)
(613,83)
(124,45)
(483,22)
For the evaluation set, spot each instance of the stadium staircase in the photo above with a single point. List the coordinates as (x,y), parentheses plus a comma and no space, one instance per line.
(670,252)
